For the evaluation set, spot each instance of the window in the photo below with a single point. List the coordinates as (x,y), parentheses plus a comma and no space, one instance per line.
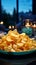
(8,5)
(25,8)
(25,5)
(8,12)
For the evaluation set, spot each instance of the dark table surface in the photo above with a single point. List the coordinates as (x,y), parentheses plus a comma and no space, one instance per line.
(17,60)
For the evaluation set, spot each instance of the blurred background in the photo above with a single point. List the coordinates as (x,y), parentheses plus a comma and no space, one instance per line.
(18,14)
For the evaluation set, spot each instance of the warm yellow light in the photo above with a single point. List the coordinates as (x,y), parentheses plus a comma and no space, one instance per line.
(34,25)
(1,22)
(9,27)
(13,27)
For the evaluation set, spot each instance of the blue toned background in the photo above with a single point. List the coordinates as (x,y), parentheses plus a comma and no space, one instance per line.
(24,5)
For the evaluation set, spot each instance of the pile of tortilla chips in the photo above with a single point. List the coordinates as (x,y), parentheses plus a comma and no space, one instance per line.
(15,42)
